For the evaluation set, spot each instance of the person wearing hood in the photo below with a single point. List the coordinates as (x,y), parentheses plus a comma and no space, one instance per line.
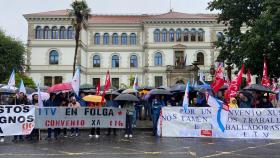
(233,103)
(265,103)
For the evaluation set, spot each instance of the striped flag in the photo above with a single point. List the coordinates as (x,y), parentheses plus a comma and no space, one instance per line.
(76,81)
(22,87)
(12,80)
(186,98)
(135,84)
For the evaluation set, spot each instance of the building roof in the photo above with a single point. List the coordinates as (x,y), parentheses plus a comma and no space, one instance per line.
(115,18)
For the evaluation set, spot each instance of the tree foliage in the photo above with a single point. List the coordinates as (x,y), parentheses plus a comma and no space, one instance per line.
(261,36)
(11,56)
(79,13)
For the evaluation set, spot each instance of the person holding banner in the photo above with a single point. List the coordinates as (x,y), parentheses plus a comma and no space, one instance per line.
(95,131)
(113,104)
(35,132)
(130,110)
(157,104)
(74,104)
(52,102)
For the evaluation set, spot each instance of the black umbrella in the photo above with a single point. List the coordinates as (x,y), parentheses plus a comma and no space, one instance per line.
(258,87)
(112,93)
(178,88)
(28,90)
(159,92)
(126,97)
(5,90)
(111,88)
(224,87)
(145,88)
(163,87)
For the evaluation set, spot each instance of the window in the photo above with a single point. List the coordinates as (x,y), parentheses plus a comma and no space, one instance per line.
(164,35)
(157,35)
(158,59)
(133,39)
(97,39)
(116,82)
(158,81)
(200,58)
(96,61)
(39,32)
(124,39)
(62,33)
(95,81)
(47,32)
(115,61)
(171,35)
(133,61)
(48,81)
(70,33)
(57,79)
(200,35)
(178,35)
(106,39)
(54,33)
(219,36)
(53,57)
(193,35)
(115,39)
(186,35)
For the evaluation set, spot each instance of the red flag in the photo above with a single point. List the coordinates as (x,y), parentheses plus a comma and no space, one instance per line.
(98,88)
(273,88)
(234,85)
(106,85)
(265,79)
(248,82)
(218,80)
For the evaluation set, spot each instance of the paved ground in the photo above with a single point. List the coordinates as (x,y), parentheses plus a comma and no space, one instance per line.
(141,145)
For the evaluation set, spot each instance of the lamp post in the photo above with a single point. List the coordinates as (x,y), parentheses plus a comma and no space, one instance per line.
(229,68)
(195,68)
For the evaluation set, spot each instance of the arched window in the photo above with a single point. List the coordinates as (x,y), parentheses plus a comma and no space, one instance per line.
(186,35)
(97,39)
(200,58)
(96,61)
(106,39)
(47,32)
(70,33)
(178,35)
(219,36)
(200,35)
(157,35)
(115,61)
(133,39)
(124,39)
(164,35)
(193,35)
(39,32)
(53,57)
(171,35)
(54,32)
(115,39)
(133,61)
(62,33)
(158,59)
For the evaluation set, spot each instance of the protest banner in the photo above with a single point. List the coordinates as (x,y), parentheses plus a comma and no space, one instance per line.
(239,123)
(84,117)
(16,120)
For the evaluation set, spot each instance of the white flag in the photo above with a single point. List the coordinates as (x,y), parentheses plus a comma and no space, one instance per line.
(186,98)
(12,80)
(22,87)
(40,101)
(76,82)
(135,84)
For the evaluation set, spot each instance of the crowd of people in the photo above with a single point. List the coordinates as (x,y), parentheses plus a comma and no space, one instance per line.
(145,109)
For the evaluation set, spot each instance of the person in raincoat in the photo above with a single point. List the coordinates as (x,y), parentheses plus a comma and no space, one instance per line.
(233,103)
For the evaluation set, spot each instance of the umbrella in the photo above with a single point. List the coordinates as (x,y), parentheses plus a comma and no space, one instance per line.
(9,87)
(86,86)
(143,91)
(89,90)
(111,88)
(201,88)
(258,87)
(178,88)
(159,92)
(28,90)
(4,90)
(93,98)
(126,97)
(43,88)
(44,95)
(128,91)
(60,87)
(224,87)
(145,88)
(112,93)
(164,87)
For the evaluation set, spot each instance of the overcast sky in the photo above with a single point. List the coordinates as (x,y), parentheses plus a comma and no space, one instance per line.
(13,23)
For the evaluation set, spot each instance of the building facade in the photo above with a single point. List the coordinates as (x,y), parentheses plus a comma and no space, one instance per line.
(160,49)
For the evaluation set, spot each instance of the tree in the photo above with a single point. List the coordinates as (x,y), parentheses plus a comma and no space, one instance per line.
(28,82)
(12,54)
(79,13)
(261,18)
